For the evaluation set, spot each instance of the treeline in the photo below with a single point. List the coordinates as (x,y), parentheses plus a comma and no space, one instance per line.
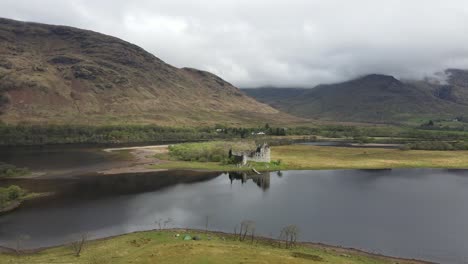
(79,134)
(70,134)
(385,134)
(11,135)
(436,145)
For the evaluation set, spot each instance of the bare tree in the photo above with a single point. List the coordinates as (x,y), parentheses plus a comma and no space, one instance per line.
(78,245)
(289,234)
(206,224)
(167,222)
(247,226)
(162,224)
(159,223)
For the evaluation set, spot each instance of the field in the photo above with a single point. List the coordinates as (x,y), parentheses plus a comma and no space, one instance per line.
(165,247)
(302,157)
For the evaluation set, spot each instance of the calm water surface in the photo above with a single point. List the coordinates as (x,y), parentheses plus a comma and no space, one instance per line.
(408,213)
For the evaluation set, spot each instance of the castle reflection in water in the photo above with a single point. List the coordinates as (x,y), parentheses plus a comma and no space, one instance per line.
(262,180)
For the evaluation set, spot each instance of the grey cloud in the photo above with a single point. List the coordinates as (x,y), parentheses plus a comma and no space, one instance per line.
(280,43)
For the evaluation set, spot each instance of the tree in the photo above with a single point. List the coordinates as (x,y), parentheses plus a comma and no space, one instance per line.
(247,227)
(78,245)
(163,223)
(289,234)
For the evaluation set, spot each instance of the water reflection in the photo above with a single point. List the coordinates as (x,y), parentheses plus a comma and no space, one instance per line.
(98,186)
(262,180)
(408,213)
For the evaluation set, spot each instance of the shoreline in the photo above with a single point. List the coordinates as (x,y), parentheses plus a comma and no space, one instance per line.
(300,157)
(153,158)
(343,251)
(141,158)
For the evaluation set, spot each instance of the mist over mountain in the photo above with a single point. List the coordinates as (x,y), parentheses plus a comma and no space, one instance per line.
(374,98)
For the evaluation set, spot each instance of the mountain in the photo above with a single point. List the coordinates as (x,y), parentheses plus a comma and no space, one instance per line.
(59,74)
(374,98)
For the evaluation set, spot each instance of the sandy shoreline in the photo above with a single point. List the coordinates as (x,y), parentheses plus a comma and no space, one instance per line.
(142,158)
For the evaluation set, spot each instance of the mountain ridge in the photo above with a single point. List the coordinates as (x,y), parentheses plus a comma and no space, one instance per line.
(60,74)
(374,98)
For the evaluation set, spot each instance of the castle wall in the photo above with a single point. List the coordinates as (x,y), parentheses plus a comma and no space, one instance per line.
(262,154)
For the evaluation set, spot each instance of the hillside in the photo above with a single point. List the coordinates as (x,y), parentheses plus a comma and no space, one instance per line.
(374,98)
(58,74)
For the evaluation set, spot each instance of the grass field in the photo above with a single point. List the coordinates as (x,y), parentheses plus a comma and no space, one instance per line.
(164,247)
(302,157)
(298,157)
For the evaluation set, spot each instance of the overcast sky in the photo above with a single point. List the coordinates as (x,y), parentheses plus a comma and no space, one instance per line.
(274,42)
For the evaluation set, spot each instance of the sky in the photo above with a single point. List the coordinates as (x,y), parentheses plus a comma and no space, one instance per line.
(282,43)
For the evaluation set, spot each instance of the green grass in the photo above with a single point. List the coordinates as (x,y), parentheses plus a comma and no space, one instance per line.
(164,247)
(303,157)
(214,151)
(9,171)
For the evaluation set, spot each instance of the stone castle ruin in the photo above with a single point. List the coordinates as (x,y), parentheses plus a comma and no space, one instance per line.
(261,154)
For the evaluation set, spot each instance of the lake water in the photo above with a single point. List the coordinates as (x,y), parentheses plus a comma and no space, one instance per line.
(417,213)
(59,161)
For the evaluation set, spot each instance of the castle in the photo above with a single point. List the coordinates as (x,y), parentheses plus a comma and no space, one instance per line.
(261,154)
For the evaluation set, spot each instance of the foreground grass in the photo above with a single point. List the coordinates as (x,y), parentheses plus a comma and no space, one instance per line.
(302,157)
(299,157)
(164,247)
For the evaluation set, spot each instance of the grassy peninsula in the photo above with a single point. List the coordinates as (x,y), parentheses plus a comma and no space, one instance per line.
(8,170)
(213,156)
(12,196)
(166,247)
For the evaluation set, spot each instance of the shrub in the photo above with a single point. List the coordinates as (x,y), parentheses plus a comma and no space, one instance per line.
(9,194)
(215,151)
(14,192)
(277,163)
(404,147)
(7,170)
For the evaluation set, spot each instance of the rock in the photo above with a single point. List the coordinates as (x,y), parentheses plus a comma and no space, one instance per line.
(39,68)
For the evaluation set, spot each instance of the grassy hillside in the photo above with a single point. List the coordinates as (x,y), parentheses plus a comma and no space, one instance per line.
(374,98)
(57,74)
(164,247)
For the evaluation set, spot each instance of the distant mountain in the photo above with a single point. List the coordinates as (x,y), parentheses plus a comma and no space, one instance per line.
(374,98)
(58,74)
